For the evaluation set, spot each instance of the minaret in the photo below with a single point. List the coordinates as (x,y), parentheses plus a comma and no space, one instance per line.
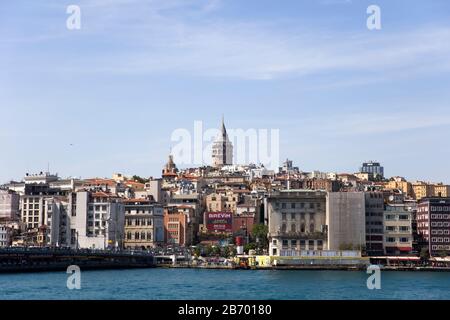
(222,149)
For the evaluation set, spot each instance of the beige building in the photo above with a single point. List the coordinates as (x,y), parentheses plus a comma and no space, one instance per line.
(401,184)
(218,202)
(441,190)
(397,223)
(144,227)
(422,190)
(296,221)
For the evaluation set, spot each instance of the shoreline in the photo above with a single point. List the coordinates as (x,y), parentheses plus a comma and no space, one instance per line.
(59,268)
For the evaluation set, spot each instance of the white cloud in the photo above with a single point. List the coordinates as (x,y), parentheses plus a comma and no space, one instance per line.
(179,36)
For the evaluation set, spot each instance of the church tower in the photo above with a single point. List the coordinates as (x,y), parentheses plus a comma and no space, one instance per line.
(222,149)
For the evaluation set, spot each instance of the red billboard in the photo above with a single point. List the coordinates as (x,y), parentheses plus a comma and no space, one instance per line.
(219,221)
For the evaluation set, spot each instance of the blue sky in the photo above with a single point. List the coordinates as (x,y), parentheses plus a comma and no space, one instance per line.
(107,97)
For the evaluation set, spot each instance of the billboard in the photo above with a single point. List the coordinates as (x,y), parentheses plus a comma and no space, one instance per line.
(219,221)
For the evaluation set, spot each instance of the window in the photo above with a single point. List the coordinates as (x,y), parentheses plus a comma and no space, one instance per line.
(293,205)
(293,228)
(283,205)
(302,228)
(311,227)
(285,243)
(283,227)
(293,243)
(283,216)
(293,216)
(302,244)
(311,244)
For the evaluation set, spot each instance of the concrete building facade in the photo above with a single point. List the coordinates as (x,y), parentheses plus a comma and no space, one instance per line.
(346,220)
(9,205)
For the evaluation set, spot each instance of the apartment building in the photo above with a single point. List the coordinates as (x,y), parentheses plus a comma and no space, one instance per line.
(97,220)
(433,224)
(143,224)
(398,229)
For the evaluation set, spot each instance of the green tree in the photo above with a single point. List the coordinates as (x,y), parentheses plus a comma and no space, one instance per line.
(139,179)
(259,233)
(197,252)
(424,254)
(226,252)
(443,254)
(249,246)
(216,251)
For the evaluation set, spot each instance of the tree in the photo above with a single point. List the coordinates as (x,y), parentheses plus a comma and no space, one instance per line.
(259,233)
(139,179)
(424,254)
(249,246)
(197,252)
(226,252)
(443,254)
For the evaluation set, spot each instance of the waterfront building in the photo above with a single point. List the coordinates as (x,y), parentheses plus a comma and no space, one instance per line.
(9,205)
(296,221)
(374,223)
(373,168)
(97,220)
(345,220)
(143,224)
(433,224)
(222,149)
(398,228)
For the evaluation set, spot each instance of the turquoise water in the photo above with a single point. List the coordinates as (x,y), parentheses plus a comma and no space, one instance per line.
(225,284)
